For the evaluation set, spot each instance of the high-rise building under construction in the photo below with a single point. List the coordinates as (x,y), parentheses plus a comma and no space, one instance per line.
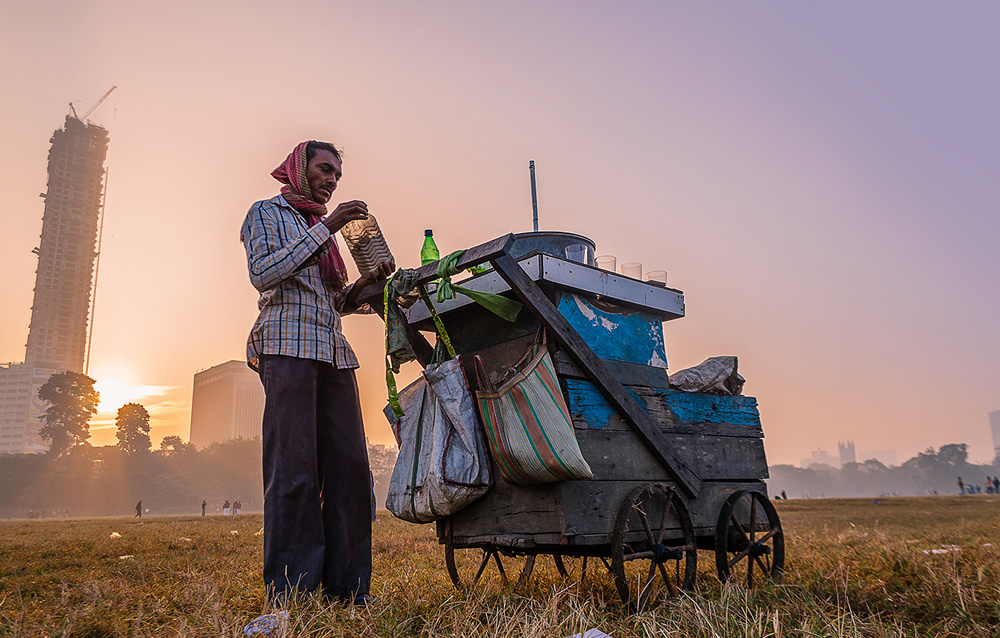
(58,338)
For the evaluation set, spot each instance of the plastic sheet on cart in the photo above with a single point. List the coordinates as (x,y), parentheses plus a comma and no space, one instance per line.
(716,375)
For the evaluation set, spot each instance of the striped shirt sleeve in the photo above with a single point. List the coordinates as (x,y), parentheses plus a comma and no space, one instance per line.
(269,258)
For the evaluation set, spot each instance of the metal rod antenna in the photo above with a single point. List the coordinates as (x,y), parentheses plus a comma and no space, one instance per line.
(534,196)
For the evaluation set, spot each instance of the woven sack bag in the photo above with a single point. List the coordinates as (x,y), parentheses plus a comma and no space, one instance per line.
(527,423)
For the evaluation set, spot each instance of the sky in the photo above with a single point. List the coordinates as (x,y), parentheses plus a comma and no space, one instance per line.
(820,179)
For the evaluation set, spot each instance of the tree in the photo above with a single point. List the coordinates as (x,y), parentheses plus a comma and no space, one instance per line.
(954,454)
(133,429)
(173,444)
(72,401)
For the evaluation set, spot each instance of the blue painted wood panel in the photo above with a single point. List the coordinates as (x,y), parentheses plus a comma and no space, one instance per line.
(585,401)
(632,336)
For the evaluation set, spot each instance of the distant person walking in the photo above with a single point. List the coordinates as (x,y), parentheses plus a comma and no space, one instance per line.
(138,510)
(225,508)
(317,508)
(961,486)
(204,504)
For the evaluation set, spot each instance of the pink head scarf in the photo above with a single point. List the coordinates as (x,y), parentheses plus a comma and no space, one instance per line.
(296,191)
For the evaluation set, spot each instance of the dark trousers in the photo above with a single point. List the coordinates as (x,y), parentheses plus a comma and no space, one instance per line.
(317,482)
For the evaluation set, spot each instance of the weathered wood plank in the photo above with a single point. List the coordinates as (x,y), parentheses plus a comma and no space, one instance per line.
(597,515)
(702,413)
(617,424)
(613,332)
(473,329)
(472,257)
(585,358)
(618,455)
(586,512)
(510,509)
(627,373)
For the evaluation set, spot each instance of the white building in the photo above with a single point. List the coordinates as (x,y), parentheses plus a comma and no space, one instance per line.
(21,409)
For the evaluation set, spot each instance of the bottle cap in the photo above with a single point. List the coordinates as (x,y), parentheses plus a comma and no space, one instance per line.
(428,232)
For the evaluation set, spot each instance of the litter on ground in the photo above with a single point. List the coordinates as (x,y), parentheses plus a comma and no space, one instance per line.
(944,549)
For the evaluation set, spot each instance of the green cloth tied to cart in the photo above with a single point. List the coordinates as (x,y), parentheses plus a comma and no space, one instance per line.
(397,346)
(499,305)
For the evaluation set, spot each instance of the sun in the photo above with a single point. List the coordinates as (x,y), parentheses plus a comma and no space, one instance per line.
(116,391)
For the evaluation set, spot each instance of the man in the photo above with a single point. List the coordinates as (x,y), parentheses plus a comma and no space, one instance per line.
(317,523)
(138,510)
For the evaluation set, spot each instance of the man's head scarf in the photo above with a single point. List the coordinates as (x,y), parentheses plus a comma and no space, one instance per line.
(296,191)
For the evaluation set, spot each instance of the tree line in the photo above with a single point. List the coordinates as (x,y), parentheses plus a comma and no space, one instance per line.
(929,472)
(77,479)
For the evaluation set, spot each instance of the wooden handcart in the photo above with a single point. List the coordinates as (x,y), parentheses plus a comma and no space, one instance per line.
(674,472)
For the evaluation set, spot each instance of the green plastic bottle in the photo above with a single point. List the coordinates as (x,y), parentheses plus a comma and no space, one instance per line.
(429,251)
(428,255)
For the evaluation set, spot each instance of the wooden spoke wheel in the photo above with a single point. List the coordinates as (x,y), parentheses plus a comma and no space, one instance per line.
(653,547)
(468,567)
(749,543)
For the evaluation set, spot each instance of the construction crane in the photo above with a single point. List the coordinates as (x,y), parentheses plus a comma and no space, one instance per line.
(91,110)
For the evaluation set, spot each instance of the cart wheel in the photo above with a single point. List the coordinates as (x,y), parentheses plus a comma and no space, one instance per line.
(653,547)
(468,567)
(748,539)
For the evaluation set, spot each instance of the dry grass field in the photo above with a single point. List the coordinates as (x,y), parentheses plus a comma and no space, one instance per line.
(901,567)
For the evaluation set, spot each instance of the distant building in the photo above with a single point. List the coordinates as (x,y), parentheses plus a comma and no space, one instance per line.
(847,454)
(20,408)
(58,337)
(227,403)
(995,430)
(67,252)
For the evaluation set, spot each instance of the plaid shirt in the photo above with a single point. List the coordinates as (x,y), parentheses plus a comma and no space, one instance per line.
(299,313)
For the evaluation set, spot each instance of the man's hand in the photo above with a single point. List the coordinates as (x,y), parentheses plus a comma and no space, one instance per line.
(381,273)
(346,212)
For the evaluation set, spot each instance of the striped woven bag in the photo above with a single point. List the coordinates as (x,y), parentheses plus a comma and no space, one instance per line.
(528,424)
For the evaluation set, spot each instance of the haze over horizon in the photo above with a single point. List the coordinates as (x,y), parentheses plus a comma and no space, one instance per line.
(819,180)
